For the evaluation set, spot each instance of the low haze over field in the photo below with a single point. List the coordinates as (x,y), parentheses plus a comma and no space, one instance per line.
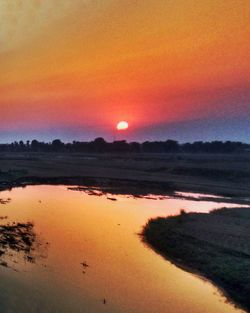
(73,69)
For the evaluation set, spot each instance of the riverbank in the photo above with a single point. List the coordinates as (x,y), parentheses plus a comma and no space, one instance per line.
(224,175)
(215,246)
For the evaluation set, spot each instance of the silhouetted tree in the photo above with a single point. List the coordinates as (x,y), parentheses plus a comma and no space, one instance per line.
(57,145)
(99,145)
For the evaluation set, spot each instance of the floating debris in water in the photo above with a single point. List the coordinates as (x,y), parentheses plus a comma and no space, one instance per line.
(112,199)
(5,201)
(84,264)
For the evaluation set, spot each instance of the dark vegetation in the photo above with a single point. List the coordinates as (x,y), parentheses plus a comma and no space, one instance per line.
(99,145)
(215,245)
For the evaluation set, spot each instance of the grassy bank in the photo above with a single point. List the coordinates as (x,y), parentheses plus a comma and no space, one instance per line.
(215,245)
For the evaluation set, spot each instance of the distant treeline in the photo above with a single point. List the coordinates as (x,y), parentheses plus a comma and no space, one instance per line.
(99,145)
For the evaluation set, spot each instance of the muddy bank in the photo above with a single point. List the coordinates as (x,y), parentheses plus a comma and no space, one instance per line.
(98,186)
(17,238)
(105,185)
(214,245)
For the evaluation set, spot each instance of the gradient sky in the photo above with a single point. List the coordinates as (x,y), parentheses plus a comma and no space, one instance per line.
(172,68)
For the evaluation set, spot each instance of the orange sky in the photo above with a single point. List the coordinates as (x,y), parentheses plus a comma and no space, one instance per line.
(87,64)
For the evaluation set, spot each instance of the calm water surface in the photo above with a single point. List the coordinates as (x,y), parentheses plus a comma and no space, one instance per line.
(73,228)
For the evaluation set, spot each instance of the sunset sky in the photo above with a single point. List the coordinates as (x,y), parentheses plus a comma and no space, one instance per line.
(175,69)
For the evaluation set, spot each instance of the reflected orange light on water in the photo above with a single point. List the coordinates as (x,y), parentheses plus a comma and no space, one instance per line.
(104,234)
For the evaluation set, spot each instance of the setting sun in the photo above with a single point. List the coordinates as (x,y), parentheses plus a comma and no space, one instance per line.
(122,125)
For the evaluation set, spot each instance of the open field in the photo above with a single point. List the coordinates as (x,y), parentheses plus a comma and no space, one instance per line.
(222,174)
(214,245)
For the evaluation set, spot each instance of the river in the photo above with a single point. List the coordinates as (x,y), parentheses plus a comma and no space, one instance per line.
(88,256)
